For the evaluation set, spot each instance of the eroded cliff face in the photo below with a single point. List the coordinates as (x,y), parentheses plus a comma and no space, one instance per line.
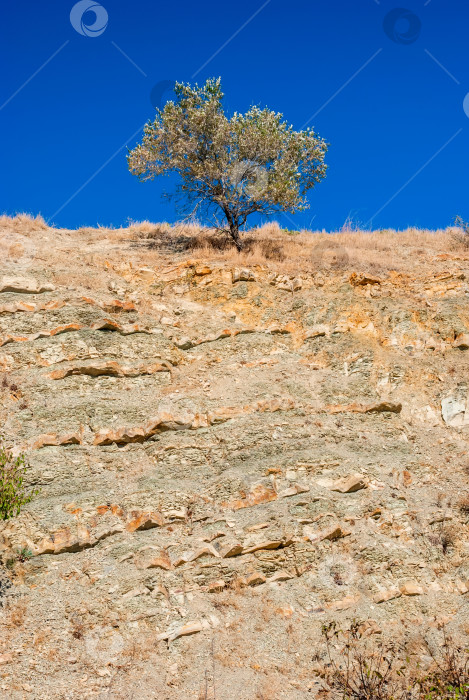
(229,456)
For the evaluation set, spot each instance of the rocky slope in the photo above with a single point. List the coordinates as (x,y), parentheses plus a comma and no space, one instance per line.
(229,455)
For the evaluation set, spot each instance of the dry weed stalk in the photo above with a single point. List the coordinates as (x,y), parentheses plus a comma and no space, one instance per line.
(385,671)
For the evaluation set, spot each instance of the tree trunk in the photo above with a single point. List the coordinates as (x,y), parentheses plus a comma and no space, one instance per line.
(233,224)
(234,233)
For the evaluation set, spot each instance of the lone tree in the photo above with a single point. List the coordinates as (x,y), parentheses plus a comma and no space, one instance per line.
(249,163)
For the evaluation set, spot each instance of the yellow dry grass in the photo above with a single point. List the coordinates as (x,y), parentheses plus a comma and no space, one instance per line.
(367,251)
(23,223)
(152,244)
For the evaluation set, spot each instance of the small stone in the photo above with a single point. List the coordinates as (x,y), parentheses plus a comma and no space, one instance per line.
(344,604)
(144,521)
(293,490)
(360,280)
(176,514)
(297,283)
(258,494)
(242,275)
(285,612)
(160,562)
(184,631)
(349,484)
(333,532)
(317,331)
(24,285)
(434,586)
(384,596)
(135,592)
(259,526)
(411,588)
(462,341)
(193,556)
(202,270)
(453,411)
(284,282)
(369,627)
(231,550)
(462,586)
(255,579)
(406,477)
(206,551)
(216,586)
(280,576)
(267,544)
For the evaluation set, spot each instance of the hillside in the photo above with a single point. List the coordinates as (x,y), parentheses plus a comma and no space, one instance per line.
(232,450)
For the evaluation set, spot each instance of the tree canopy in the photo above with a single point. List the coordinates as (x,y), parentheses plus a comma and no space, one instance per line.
(229,166)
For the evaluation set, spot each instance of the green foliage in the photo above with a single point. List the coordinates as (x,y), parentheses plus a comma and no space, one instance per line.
(449,677)
(229,166)
(13,493)
(21,555)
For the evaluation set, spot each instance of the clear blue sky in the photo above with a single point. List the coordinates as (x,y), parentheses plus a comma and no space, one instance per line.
(390,102)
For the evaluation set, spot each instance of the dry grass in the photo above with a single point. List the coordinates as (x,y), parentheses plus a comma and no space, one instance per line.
(461,233)
(372,252)
(17,614)
(358,669)
(290,252)
(463,505)
(23,223)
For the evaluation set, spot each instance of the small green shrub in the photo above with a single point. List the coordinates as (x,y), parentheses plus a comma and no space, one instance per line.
(13,493)
(21,555)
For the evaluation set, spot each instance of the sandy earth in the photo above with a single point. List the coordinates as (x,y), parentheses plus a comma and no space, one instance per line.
(231,452)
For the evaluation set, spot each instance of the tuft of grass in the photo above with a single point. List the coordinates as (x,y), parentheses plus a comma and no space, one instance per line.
(461,235)
(23,223)
(17,614)
(463,505)
(447,538)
